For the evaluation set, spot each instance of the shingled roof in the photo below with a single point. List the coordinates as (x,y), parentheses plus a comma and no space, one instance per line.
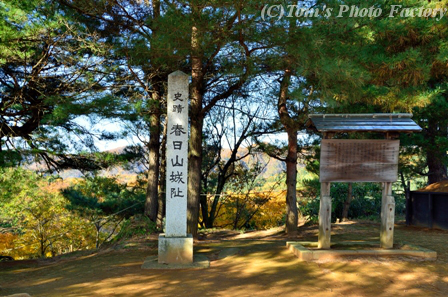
(439,187)
(372,122)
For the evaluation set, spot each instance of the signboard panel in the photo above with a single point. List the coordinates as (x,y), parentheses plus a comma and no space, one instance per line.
(355,160)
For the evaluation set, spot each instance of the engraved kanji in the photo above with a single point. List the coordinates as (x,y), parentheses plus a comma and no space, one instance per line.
(177,177)
(177,163)
(178,108)
(177,145)
(176,192)
(177,130)
(177,97)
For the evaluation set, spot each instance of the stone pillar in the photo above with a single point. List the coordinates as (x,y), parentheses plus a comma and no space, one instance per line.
(324,217)
(387,217)
(176,246)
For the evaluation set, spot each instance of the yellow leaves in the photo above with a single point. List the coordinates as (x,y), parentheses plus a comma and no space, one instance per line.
(394,100)
(340,97)
(7,243)
(268,209)
(42,224)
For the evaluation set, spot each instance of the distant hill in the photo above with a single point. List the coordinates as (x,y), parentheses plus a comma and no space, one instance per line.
(273,166)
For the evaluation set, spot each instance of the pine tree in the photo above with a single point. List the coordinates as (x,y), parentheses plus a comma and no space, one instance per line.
(50,72)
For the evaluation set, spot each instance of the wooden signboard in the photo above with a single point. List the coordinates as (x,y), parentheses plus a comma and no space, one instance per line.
(350,160)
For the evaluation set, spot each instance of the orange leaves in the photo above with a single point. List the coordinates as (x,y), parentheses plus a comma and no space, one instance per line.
(403,72)
(6,243)
(258,210)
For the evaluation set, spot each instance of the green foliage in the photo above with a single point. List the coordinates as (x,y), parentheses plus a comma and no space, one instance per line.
(104,203)
(47,223)
(104,196)
(433,142)
(52,73)
(135,226)
(15,183)
(366,202)
(34,210)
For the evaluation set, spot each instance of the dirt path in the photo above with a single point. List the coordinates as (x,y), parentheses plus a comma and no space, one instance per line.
(259,265)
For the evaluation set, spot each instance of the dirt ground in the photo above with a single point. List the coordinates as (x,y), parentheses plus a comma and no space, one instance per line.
(257,264)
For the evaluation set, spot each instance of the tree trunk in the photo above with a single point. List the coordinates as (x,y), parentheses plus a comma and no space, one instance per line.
(151,205)
(97,237)
(291,182)
(407,194)
(347,203)
(162,182)
(437,170)
(224,174)
(42,246)
(200,65)
(291,158)
(194,175)
(216,198)
(152,190)
(195,145)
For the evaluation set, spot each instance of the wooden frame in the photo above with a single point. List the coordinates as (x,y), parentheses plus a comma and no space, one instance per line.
(355,160)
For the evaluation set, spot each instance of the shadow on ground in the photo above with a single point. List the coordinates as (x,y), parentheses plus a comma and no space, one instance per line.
(253,265)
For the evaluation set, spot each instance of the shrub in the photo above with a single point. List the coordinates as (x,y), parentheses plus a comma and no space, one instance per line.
(366,201)
(138,225)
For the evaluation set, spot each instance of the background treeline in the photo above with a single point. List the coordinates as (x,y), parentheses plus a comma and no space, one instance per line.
(68,67)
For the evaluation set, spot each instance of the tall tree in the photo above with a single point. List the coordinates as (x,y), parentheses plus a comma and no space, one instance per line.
(221,64)
(152,193)
(291,129)
(311,59)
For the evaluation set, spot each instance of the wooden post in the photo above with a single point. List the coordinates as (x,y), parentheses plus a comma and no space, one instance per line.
(325,217)
(387,217)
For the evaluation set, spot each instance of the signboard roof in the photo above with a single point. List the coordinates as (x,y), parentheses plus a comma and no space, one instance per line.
(373,122)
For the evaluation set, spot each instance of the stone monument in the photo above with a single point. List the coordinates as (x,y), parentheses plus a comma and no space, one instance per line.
(175,245)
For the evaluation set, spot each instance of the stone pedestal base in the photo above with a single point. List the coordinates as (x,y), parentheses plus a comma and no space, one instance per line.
(175,250)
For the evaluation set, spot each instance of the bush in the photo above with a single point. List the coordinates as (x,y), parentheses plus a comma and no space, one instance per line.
(138,225)
(366,201)
(105,203)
